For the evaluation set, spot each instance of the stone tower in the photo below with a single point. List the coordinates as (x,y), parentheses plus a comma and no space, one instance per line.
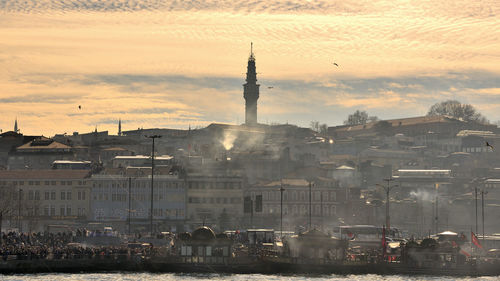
(119,127)
(251,91)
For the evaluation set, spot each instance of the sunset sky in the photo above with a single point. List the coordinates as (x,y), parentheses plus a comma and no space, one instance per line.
(174,64)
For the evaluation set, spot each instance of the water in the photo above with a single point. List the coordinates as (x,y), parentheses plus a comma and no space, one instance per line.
(228,277)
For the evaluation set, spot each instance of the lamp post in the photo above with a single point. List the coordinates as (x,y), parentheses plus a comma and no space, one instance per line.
(281,208)
(482,207)
(475,202)
(387,189)
(310,204)
(153,137)
(129,202)
(19,226)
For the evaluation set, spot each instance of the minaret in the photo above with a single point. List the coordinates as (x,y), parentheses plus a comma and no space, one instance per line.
(119,127)
(15,127)
(251,91)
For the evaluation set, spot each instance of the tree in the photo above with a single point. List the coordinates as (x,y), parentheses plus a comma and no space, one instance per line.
(7,202)
(457,110)
(319,128)
(359,118)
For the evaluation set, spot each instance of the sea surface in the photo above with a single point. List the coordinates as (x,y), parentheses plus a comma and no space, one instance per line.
(237,277)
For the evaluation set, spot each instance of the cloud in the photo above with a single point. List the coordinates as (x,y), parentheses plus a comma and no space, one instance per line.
(43,98)
(177,63)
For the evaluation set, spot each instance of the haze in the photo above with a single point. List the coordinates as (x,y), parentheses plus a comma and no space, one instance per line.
(181,63)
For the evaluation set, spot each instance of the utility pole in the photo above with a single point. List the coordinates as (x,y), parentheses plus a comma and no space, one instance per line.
(475,202)
(387,189)
(281,208)
(310,204)
(482,207)
(19,226)
(321,208)
(153,137)
(129,202)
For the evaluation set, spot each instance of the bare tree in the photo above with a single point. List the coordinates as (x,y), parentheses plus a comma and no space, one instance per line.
(7,201)
(319,128)
(359,118)
(457,110)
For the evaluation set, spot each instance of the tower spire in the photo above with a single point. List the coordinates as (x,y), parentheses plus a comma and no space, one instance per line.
(16,129)
(251,90)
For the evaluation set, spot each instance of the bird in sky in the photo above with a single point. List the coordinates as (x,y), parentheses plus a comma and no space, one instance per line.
(488,144)
(79,107)
(270,87)
(334,63)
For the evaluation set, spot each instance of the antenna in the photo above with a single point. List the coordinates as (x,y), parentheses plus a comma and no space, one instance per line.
(251,48)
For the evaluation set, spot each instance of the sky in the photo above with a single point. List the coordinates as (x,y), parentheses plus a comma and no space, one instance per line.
(180,64)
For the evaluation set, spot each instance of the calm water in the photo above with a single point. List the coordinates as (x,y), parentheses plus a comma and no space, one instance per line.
(236,277)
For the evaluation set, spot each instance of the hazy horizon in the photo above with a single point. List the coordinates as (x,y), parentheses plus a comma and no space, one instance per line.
(174,64)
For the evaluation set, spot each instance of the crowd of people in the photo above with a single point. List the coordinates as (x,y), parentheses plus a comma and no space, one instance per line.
(30,246)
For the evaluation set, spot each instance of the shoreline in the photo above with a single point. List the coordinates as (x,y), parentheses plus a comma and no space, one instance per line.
(266,268)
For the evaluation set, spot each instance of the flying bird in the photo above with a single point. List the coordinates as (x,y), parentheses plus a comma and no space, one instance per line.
(79,107)
(270,87)
(488,144)
(334,63)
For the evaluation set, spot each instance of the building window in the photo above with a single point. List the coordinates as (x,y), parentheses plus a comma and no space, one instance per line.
(46,211)
(63,195)
(30,195)
(53,210)
(52,195)
(68,195)
(47,195)
(37,195)
(47,182)
(68,210)
(62,210)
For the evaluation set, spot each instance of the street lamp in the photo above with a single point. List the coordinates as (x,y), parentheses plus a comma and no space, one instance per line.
(387,189)
(281,208)
(310,204)
(19,226)
(153,137)
(482,207)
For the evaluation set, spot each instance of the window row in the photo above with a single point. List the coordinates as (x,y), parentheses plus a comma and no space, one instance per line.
(34,182)
(324,196)
(317,210)
(214,185)
(216,200)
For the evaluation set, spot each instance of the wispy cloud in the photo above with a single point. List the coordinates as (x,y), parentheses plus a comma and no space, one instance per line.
(179,63)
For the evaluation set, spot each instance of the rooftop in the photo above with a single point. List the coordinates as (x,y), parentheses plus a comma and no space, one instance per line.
(43,174)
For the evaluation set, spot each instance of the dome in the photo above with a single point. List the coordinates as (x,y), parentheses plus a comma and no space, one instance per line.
(203,233)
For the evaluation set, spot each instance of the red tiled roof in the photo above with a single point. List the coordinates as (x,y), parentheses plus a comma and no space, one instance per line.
(44,174)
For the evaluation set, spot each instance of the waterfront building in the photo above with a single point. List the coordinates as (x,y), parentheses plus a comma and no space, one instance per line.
(215,199)
(114,190)
(40,200)
(327,203)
